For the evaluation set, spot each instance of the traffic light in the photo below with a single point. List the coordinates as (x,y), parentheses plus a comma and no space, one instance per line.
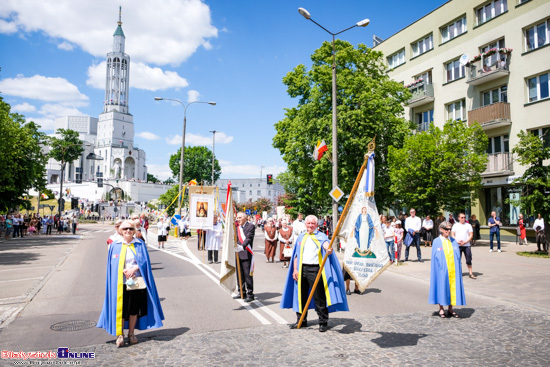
(270,179)
(99,182)
(74,203)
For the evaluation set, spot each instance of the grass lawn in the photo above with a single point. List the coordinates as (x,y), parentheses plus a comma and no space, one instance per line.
(540,254)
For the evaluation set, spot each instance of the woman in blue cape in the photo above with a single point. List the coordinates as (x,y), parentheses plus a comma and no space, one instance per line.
(446,287)
(129,309)
(331,287)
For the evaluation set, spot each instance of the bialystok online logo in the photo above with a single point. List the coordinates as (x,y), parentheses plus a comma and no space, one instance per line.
(62,353)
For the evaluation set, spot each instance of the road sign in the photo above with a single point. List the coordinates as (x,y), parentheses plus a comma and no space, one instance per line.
(99,182)
(336,193)
(247,211)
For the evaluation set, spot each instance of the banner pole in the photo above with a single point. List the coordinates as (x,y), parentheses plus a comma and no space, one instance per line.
(340,222)
(238,264)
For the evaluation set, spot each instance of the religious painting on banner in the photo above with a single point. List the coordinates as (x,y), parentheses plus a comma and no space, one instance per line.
(201,216)
(365,255)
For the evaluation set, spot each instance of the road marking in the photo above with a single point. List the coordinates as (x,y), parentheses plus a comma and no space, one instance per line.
(19,280)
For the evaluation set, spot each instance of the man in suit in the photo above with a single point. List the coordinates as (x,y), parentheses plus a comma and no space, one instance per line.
(245,238)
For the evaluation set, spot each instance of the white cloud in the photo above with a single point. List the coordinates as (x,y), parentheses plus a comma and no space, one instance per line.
(67,46)
(142,76)
(160,171)
(193,96)
(148,136)
(163,34)
(195,139)
(24,107)
(44,89)
(45,123)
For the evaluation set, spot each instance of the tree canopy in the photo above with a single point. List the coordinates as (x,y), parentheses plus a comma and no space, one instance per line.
(439,168)
(369,104)
(23,162)
(197,164)
(67,147)
(531,152)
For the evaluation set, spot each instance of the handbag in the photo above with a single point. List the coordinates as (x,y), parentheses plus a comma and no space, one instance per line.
(287,251)
(138,283)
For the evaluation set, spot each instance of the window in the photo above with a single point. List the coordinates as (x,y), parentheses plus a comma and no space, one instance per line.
(453,30)
(423,119)
(538,87)
(454,70)
(426,77)
(396,59)
(495,95)
(258,185)
(268,192)
(250,185)
(491,10)
(250,193)
(537,36)
(492,60)
(259,192)
(425,44)
(457,110)
(544,134)
(498,144)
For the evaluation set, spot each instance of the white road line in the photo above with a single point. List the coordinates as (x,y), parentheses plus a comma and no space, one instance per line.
(271,313)
(249,308)
(19,280)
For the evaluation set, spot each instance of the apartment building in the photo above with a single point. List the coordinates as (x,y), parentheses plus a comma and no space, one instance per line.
(485,62)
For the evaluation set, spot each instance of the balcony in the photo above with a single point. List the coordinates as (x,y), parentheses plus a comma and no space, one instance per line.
(498,165)
(491,116)
(421,94)
(483,70)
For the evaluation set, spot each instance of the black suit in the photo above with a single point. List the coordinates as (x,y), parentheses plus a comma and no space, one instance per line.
(245,259)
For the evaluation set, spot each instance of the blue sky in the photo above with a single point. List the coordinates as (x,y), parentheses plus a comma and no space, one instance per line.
(52,55)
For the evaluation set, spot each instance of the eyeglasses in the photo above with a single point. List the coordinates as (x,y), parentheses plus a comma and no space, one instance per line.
(447,229)
(128,229)
(461,217)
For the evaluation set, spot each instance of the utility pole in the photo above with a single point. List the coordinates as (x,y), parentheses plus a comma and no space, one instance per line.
(213,154)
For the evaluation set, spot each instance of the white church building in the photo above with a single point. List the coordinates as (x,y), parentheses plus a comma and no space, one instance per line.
(109,150)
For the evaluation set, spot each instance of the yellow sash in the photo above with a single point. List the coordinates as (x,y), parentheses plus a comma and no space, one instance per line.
(450,258)
(324,277)
(120,286)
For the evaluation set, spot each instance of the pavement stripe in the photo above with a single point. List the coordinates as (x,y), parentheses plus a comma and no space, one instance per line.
(19,280)
(271,313)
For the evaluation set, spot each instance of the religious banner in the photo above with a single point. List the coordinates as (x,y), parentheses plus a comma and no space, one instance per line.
(201,211)
(365,255)
(228,279)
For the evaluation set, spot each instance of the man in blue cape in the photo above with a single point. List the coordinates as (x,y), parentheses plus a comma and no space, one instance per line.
(330,293)
(111,316)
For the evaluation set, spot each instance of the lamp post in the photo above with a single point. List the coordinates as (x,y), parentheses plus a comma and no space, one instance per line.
(362,23)
(213,148)
(184,105)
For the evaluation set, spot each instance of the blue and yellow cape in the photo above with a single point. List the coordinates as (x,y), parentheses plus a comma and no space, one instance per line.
(111,316)
(332,279)
(446,287)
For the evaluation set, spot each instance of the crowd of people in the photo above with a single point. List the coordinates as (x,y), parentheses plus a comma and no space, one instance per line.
(18,225)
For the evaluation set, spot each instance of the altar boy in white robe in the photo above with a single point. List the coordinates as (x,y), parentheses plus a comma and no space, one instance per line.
(214,240)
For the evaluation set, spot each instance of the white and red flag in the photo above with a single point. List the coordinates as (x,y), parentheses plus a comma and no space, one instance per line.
(319,150)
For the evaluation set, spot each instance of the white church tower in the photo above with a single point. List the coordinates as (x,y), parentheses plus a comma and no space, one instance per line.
(115,129)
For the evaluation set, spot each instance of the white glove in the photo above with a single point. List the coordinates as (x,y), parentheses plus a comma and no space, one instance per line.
(239,248)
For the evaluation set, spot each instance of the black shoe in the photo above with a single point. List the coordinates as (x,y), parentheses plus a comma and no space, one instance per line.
(348,292)
(210,261)
(295,326)
(249,299)
(323,328)
(420,260)
(357,291)
(406,259)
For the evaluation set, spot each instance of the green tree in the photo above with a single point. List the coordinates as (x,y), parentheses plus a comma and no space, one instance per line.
(439,168)
(152,178)
(65,149)
(263,204)
(369,104)
(23,161)
(168,197)
(531,152)
(197,165)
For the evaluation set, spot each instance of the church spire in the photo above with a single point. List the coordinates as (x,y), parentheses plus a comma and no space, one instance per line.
(118,72)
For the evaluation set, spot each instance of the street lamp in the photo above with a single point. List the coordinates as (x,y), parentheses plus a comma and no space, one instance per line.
(184,105)
(362,23)
(213,147)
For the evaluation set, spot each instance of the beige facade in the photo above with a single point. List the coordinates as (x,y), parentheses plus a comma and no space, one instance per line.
(505,91)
